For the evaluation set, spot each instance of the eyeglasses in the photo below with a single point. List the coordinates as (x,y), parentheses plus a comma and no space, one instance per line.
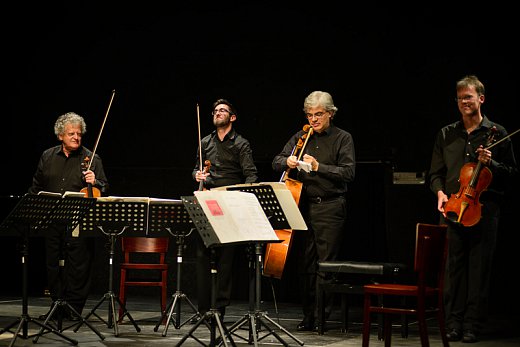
(318,115)
(220,110)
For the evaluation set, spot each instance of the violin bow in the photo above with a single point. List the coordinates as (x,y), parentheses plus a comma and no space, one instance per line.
(201,183)
(100,131)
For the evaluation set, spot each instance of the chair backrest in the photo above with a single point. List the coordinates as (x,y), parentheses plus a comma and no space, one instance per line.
(430,254)
(144,245)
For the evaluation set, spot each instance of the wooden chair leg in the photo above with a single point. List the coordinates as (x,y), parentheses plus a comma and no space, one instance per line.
(387,330)
(122,294)
(164,291)
(366,320)
(344,312)
(380,319)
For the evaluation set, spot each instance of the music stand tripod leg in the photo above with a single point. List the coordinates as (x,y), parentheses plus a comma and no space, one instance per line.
(261,314)
(212,317)
(112,312)
(174,306)
(25,319)
(57,308)
(250,316)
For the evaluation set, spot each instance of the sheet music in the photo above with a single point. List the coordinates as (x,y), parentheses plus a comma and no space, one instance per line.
(284,196)
(235,216)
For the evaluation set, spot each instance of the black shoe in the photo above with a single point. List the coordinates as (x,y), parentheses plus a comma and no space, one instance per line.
(73,317)
(469,336)
(317,327)
(454,335)
(307,324)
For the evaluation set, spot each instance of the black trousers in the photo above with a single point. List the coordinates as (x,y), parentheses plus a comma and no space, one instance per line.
(468,270)
(322,242)
(68,263)
(224,256)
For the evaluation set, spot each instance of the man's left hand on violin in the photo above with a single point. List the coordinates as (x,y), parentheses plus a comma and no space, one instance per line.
(484,155)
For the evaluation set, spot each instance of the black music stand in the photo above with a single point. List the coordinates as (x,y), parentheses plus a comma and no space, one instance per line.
(113,216)
(276,216)
(171,215)
(35,213)
(69,208)
(212,317)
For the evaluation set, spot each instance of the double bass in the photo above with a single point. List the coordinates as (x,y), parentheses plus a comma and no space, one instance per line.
(276,253)
(464,207)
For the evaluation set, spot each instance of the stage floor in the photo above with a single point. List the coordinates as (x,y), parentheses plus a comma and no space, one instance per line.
(501,332)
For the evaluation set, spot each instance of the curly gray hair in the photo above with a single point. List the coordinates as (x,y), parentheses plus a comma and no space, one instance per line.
(69,118)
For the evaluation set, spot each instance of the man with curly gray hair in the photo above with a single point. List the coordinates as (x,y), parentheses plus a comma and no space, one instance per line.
(60,169)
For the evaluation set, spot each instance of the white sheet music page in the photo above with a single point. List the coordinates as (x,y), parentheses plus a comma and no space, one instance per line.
(235,216)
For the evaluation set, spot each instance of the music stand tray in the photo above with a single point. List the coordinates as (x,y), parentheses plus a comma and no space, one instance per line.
(34,214)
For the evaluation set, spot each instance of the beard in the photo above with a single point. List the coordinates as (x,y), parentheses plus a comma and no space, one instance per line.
(221,122)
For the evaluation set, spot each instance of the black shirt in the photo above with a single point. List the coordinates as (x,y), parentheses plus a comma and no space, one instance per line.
(231,160)
(58,173)
(454,147)
(335,153)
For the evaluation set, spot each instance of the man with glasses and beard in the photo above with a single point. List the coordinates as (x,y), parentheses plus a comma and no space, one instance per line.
(231,162)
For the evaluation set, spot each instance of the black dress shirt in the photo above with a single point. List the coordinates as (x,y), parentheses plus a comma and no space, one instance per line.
(454,147)
(58,173)
(231,160)
(335,153)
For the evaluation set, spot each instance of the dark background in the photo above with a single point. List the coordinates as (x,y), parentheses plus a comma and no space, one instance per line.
(391,70)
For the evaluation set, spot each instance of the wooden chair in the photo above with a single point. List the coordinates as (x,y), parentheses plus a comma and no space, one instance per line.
(422,298)
(131,246)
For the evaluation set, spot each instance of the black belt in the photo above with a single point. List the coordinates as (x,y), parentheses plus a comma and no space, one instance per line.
(319,199)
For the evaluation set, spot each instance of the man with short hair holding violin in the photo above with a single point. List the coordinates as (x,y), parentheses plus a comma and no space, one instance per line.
(326,166)
(471,164)
(228,160)
(60,169)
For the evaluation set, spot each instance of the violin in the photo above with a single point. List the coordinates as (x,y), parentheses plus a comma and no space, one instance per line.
(276,253)
(464,207)
(89,191)
(207,165)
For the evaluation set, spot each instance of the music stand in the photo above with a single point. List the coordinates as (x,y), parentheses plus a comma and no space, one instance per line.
(171,215)
(211,317)
(73,208)
(37,213)
(225,217)
(113,216)
(275,213)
